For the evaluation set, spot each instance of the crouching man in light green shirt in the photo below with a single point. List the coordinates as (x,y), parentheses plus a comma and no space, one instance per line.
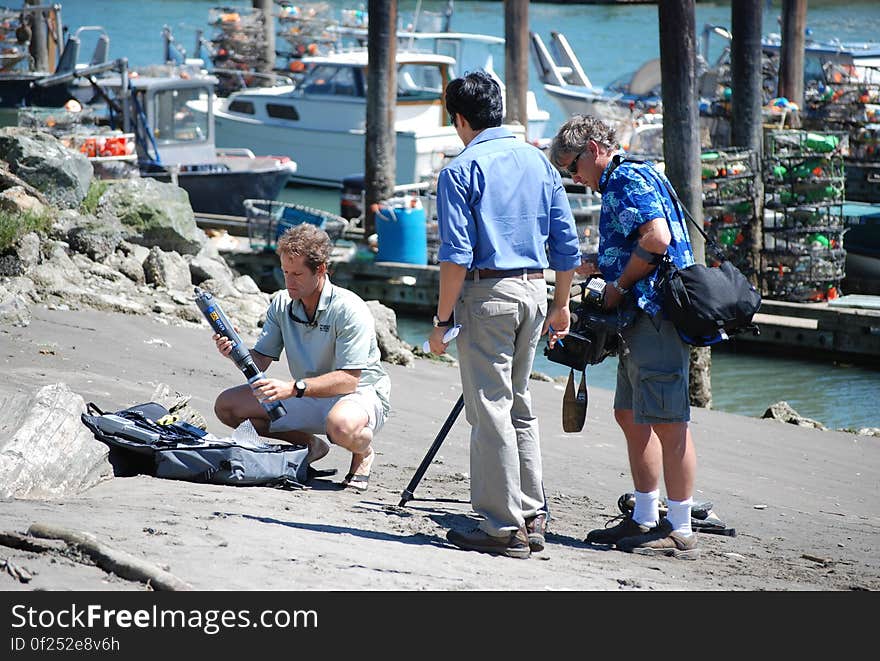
(328,335)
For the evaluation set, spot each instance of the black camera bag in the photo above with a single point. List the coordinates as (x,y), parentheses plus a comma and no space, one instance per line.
(707,304)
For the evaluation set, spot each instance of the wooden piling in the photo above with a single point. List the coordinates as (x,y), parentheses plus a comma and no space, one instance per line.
(379,168)
(39,36)
(791,65)
(681,147)
(746,121)
(516,61)
(266,63)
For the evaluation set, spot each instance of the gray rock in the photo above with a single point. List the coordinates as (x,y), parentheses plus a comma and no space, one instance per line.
(167,269)
(130,266)
(154,213)
(58,274)
(392,348)
(246,285)
(16,200)
(205,268)
(14,309)
(783,412)
(51,454)
(28,250)
(98,241)
(10,265)
(41,160)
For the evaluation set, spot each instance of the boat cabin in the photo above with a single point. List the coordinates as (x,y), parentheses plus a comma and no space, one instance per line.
(167,131)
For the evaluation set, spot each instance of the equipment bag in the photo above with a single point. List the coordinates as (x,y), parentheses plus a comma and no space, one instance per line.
(707,304)
(146,439)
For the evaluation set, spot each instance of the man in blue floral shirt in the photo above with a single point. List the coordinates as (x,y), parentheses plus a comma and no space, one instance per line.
(639,223)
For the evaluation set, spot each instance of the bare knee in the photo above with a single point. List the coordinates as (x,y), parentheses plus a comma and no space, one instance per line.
(342,429)
(227,410)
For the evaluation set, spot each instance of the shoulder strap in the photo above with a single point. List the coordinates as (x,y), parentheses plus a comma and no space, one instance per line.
(680,208)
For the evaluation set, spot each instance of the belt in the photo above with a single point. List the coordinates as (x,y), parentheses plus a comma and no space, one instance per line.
(489,274)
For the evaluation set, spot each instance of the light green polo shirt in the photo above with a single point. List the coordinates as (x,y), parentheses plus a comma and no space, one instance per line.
(343,337)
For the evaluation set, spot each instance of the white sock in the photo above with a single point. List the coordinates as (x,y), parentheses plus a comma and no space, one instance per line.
(647,508)
(679,515)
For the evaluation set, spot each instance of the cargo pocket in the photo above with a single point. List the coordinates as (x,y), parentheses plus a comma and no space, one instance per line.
(661,396)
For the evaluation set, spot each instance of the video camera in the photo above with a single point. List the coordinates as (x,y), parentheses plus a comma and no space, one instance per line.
(595,332)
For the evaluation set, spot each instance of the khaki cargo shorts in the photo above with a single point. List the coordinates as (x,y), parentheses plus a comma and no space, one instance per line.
(652,373)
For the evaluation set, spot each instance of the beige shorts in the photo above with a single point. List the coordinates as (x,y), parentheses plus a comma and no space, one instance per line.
(309,414)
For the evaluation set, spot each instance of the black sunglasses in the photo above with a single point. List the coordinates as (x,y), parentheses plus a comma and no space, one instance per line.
(572,168)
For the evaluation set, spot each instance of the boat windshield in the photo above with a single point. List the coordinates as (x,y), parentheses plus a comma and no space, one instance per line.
(174,120)
(333,80)
(419,82)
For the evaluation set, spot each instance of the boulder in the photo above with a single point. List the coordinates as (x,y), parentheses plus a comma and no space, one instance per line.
(392,348)
(167,269)
(51,454)
(15,302)
(783,412)
(205,268)
(16,200)
(41,160)
(154,213)
(97,240)
(28,250)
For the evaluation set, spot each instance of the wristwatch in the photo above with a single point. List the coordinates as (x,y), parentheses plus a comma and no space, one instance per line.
(618,287)
(300,387)
(442,324)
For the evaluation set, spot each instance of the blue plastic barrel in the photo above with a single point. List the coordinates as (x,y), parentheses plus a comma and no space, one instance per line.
(401,234)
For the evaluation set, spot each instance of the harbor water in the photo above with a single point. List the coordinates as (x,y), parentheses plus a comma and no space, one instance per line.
(610,41)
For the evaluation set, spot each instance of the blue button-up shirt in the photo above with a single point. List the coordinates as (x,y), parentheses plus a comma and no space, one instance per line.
(634,194)
(501,205)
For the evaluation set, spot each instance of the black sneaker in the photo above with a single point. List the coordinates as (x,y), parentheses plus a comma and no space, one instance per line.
(627,527)
(662,540)
(512,545)
(536,526)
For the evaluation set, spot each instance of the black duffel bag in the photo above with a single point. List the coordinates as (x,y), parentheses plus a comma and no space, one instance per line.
(707,304)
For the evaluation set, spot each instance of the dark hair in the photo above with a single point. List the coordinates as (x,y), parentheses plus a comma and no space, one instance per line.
(477,97)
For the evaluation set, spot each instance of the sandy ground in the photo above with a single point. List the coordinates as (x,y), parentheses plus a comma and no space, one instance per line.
(803,501)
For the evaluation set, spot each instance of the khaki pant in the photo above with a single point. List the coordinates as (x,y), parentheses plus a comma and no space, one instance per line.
(501,322)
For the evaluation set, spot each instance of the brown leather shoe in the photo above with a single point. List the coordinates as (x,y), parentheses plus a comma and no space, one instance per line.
(536,527)
(512,545)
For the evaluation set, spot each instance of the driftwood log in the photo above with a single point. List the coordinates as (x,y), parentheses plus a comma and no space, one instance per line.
(113,560)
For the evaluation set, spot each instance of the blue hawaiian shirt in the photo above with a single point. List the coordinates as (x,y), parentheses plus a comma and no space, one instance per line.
(634,194)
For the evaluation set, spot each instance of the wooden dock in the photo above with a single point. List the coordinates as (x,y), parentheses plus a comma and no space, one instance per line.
(819,330)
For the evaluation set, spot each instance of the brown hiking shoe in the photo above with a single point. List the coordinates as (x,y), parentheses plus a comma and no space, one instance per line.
(662,540)
(627,527)
(512,545)
(536,526)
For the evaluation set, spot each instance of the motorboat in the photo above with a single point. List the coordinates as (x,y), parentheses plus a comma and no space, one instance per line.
(321,121)
(176,144)
(151,125)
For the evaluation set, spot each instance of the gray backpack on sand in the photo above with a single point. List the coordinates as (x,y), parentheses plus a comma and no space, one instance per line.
(145,439)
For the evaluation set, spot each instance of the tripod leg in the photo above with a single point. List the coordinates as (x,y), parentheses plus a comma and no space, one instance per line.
(407,494)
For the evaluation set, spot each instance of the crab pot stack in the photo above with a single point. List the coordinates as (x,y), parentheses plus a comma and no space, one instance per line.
(848,100)
(729,202)
(238,45)
(803,257)
(310,29)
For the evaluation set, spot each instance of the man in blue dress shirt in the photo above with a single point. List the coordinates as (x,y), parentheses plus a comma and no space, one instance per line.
(504,217)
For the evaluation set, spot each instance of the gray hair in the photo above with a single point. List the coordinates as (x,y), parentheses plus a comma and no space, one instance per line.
(573,136)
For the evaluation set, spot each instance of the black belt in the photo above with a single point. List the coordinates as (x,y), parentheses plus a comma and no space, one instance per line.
(488,274)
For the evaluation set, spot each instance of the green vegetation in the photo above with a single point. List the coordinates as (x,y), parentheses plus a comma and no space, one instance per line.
(96,190)
(13,226)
